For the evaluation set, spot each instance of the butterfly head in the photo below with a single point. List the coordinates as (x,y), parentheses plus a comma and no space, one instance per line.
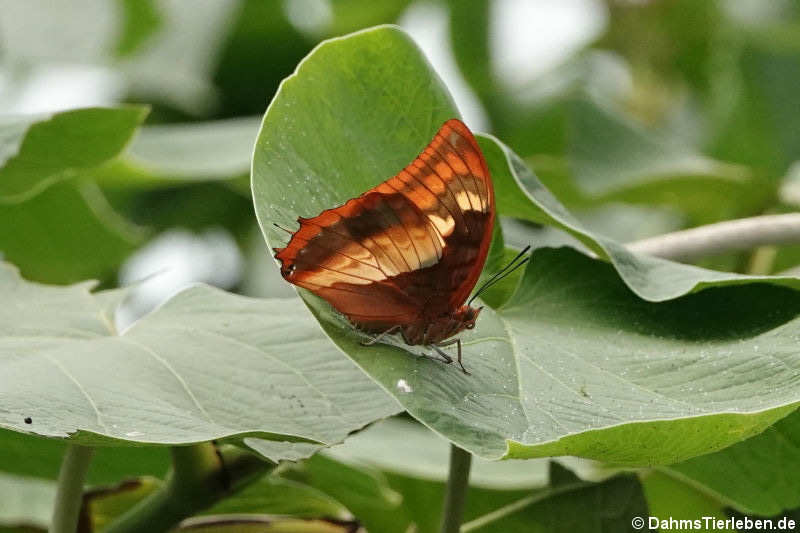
(468,316)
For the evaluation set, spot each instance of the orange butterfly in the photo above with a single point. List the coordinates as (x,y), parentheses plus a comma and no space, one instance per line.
(406,254)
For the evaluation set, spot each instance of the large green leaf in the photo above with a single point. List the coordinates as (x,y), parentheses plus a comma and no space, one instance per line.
(363,490)
(54,225)
(758,128)
(754,476)
(37,151)
(270,495)
(609,157)
(36,457)
(353,113)
(574,363)
(607,506)
(140,21)
(608,152)
(567,505)
(66,234)
(670,498)
(169,155)
(313,153)
(206,365)
(520,194)
(411,450)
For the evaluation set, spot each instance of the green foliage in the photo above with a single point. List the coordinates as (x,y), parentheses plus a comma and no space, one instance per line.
(56,342)
(560,345)
(38,151)
(680,379)
(141,21)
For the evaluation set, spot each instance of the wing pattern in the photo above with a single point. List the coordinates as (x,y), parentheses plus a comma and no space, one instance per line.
(409,249)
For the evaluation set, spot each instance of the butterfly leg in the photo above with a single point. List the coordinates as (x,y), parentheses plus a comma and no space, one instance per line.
(379,336)
(441,353)
(458,359)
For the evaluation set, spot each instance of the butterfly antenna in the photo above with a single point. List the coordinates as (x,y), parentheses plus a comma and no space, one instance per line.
(512,265)
(509,265)
(488,285)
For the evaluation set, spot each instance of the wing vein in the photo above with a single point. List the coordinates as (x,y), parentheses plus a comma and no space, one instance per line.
(436,196)
(377,245)
(410,238)
(458,154)
(319,242)
(457,175)
(420,217)
(389,234)
(462,215)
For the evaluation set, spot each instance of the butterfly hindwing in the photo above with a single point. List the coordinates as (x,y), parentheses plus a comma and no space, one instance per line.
(411,247)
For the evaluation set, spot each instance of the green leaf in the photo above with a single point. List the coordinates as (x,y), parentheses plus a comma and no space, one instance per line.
(577,367)
(65,234)
(174,154)
(140,20)
(268,495)
(574,363)
(36,457)
(668,497)
(579,507)
(352,15)
(363,490)
(206,365)
(572,506)
(520,194)
(103,505)
(758,128)
(610,157)
(278,496)
(754,476)
(408,449)
(37,151)
(380,100)
(609,152)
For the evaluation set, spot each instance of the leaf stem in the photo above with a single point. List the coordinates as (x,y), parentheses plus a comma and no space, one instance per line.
(520,504)
(69,494)
(200,476)
(722,237)
(456,492)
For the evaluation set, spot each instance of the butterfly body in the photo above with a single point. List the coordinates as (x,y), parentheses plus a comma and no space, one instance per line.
(430,331)
(405,255)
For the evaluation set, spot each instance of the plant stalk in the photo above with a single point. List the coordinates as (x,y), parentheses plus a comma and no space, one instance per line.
(69,494)
(722,237)
(456,492)
(200,476)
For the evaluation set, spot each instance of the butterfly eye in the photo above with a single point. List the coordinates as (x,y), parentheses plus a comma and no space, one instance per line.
(470,325)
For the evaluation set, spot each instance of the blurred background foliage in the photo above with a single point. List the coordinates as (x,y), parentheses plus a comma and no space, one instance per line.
(642,116)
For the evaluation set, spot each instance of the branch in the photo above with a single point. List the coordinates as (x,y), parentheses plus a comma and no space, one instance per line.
(457,485)
(728,236)
(200,477)
(69,495)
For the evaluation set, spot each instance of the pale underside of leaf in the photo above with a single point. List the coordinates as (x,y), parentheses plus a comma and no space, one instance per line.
(206,365)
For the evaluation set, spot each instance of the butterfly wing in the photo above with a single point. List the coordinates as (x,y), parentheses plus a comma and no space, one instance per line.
(411,248)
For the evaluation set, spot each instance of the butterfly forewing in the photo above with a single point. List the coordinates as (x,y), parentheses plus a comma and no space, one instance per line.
(409,249)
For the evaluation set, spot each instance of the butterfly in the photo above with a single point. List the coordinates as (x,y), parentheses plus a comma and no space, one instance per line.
(405,255)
